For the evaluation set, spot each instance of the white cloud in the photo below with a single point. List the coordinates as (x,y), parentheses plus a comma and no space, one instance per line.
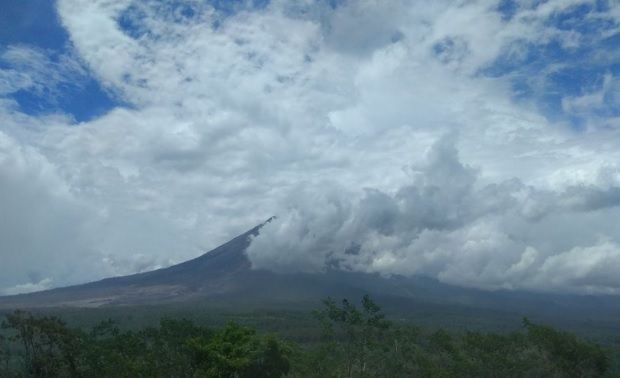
(449,226)
(44,284)
(591,269)
(295,110)
(38,71)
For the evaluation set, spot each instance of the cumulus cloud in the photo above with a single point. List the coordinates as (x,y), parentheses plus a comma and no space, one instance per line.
(448,225)
(41,221)
(396,147)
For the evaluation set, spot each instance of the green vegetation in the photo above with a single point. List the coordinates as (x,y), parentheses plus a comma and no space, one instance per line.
(351,341)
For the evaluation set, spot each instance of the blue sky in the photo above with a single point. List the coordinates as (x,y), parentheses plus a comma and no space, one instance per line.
(474,142)
(577,72)
(36,23)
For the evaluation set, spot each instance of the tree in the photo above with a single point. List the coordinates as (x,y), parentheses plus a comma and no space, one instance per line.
(50,348)
(566,353)
(237,351)
(5,356)
(353,333)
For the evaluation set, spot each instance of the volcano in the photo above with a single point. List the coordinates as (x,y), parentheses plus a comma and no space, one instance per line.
(225,275)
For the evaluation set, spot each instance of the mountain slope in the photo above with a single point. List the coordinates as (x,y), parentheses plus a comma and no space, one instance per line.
(212,273)
(225,275)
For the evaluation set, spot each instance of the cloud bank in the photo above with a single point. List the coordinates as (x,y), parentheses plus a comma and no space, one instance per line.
(448,225)
(475,142)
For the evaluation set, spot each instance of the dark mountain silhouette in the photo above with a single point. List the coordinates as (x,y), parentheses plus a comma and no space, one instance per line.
(224,275)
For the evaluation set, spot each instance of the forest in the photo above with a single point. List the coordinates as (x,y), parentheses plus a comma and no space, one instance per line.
(351,340)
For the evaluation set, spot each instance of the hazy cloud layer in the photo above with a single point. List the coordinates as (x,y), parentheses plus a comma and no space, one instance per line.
(420,143)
